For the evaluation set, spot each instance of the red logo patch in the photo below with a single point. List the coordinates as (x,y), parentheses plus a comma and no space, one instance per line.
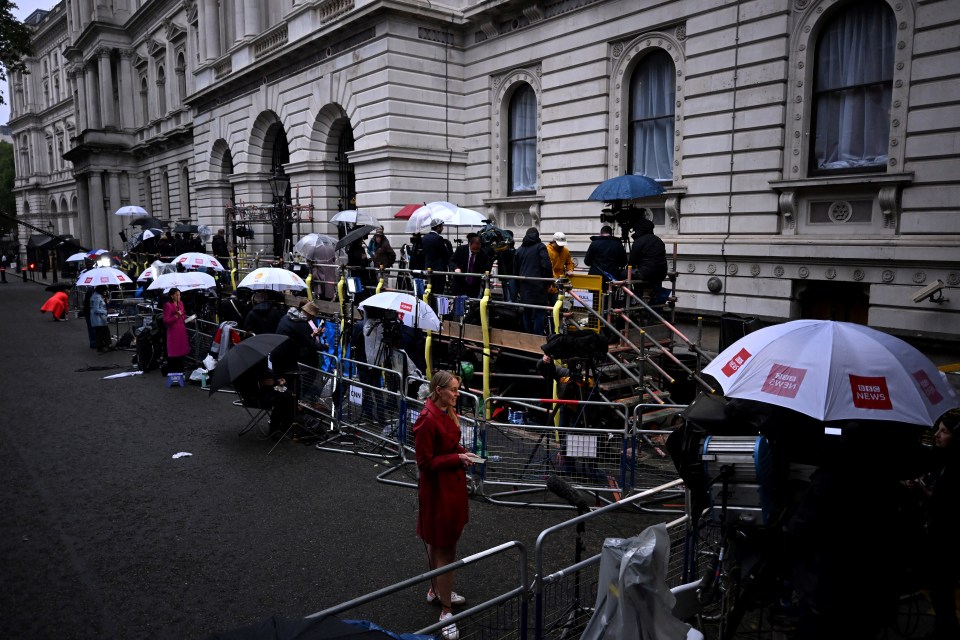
(735,363)
(870,392)
(927,386)
(783,381)
(406,306)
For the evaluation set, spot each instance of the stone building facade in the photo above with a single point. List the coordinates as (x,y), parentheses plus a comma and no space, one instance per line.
(807,147)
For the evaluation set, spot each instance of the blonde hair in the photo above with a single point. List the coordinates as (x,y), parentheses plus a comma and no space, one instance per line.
(440,380)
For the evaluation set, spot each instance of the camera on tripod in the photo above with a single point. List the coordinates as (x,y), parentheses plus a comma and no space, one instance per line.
(624,215)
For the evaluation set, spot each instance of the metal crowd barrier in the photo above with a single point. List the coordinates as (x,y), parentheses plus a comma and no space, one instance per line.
(503,616)
(470,430)
(564,598)
(521,454)
(369,411)
(319,392)
(652,464)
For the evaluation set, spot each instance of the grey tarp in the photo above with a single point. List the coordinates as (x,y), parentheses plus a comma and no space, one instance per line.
(633,601)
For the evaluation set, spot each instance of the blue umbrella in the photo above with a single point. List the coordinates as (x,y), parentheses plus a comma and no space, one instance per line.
(629,187)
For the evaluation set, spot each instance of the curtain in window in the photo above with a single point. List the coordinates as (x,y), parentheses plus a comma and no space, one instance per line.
(853,86)
(523,141)
(652,97)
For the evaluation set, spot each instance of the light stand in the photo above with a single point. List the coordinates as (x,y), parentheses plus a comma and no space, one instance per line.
(279,183)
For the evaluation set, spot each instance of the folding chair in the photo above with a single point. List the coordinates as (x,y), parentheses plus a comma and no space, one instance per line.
(256,409)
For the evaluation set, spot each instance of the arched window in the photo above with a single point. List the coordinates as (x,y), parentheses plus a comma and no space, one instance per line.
(162,90)
(181,70)
(522,139)
(144,100)
(652,100)
(853,81)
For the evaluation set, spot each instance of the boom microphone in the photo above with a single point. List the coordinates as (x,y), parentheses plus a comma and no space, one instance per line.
(563,489)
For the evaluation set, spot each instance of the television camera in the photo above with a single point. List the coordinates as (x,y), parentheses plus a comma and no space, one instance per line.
(624,214)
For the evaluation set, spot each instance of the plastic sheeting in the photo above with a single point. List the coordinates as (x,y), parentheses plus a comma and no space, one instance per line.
(633,600)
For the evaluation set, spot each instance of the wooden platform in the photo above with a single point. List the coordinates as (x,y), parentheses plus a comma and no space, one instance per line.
(518,340)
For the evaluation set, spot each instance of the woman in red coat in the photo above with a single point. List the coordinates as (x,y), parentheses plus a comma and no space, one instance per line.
(443,487)
(178,344)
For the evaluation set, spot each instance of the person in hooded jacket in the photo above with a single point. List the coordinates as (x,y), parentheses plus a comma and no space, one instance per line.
(648,256)
(302,346)
(264,316)
(606,256)
(533,261)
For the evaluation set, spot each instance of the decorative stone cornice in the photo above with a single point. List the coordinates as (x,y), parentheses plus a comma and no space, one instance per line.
(155,49)
(173,30)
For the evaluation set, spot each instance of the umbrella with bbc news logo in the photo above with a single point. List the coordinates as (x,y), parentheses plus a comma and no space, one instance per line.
(834,371)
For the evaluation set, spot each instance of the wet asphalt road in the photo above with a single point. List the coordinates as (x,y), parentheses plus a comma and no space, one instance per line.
(103,534)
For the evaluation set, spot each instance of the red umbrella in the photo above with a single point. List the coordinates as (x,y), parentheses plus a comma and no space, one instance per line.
(57,305)
(407,211)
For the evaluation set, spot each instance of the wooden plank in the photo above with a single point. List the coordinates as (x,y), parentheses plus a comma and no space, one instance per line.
(498,337)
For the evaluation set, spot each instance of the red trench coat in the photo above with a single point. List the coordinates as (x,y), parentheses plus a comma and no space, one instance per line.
(443,481)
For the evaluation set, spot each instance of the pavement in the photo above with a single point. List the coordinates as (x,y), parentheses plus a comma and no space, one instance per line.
(104,534)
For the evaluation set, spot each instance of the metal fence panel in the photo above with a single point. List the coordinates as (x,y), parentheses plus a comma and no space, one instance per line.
(522,455)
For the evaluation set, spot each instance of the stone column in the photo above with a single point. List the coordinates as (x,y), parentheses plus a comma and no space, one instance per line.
(128,91)
(98,221)
(108,116)
(93,108)
(84,230)
(210,29)
(80,104)
(114,222)
(239,16)
(251,17)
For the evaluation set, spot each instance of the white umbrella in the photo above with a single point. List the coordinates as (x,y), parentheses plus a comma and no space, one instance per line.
(185,281)
(316,246)
(131,210)
(103,275)
(156,269)
(430,213)
(466,218)
(274,279)
(834,371)
(192,260)
(411,311)
(351,216)
(77,257)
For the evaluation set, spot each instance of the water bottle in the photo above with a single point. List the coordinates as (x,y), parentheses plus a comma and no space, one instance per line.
(511,416)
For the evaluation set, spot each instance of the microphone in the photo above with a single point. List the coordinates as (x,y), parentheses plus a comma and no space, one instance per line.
(563,489)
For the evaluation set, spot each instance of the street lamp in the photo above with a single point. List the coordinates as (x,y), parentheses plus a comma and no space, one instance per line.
(52,253)
(279,182)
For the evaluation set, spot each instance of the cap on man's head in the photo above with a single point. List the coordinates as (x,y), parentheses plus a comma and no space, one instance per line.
(560,238)
(436,223)
(606,230)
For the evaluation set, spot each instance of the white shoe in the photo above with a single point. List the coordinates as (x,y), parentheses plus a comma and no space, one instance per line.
(449,632)
(455,598)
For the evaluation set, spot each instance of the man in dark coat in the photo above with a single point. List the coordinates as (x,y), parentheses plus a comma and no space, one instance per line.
(606,256)
(264,316)
(302,345)
(533,261)
(219,244)
(436,256)
(470,258)
(648,256)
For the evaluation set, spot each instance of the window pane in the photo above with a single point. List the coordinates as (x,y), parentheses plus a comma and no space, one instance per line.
(652,106)
(853,87)
(523,141)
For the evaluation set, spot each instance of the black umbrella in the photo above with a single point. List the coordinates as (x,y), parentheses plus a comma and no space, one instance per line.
(59,286)
(147,222)
(356,234)
(278,628)
(242,357)
(186,228)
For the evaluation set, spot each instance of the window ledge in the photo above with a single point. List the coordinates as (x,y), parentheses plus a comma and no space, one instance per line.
(844,180)
(885,186)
